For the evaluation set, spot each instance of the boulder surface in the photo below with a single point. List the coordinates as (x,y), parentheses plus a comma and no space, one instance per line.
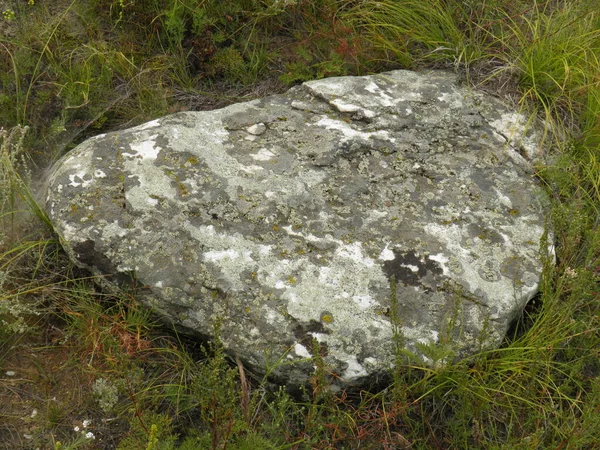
(365,214)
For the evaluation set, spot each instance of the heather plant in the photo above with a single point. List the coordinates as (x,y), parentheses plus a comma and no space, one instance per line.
(14,180)
(12,165)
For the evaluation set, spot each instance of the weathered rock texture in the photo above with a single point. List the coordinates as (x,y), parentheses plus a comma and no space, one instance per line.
(287,219)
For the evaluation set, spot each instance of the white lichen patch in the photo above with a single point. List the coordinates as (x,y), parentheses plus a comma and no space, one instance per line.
(384,99)
(375,215)
(326,278)
(77,180)
(257,129)
(147,125)
(251,169)
(329,88)
(301,351)
(272,317)
(70,232)
(475,255)
(254,331)
(515,127)
(354,252)
(112,229)
(420,333)
(215,256)
(504,199)
(344,107)
(146,148)
(434,336)
(153,183)
(454,100)
(319,337)
(234,255)
(442,260)
(364,301)
(411,267)
(354,369)
(350,133)
(387,254)
(309,237)
(263,155)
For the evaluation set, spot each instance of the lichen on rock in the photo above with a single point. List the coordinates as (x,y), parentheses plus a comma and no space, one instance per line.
(351,211)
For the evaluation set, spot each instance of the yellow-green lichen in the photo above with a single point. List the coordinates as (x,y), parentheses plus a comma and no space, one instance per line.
(326,317)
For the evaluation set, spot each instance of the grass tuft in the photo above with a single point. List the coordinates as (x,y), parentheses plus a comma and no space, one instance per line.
(413,32)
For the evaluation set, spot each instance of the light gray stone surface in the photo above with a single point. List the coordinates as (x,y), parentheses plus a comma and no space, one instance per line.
(287,219)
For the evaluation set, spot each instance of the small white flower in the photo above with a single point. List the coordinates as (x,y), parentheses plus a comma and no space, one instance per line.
(34,413)
(86,423)
(10,373)
(90,435)
(76,428)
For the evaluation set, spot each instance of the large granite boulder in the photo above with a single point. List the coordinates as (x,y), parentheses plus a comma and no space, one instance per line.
(364,213)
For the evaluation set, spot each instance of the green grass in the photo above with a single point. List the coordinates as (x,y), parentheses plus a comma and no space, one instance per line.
(86,362)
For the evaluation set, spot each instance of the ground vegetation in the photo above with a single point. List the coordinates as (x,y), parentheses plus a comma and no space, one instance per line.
(80,368)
